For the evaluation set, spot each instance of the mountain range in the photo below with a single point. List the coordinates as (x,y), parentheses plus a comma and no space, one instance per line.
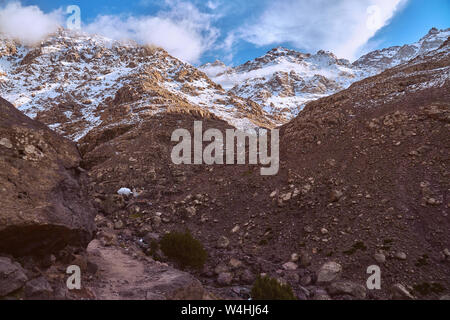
(283,81)
(70,80)
(86,176)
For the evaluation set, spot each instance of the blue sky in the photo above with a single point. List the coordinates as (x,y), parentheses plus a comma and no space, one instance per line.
(236,31)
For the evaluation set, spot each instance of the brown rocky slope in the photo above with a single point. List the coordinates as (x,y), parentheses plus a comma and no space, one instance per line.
(47,221)
(363,181)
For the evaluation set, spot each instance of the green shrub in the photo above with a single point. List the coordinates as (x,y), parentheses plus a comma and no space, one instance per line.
(184,249)
(153,251)
(270,289)
(357,246)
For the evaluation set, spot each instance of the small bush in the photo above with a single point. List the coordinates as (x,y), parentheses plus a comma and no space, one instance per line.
(422,261)
(184,249)
(270,289)
(153,251)
(357,246)
(426,288)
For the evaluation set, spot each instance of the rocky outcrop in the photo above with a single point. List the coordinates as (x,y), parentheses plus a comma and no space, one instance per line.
(12,276)
(44,207)
(7,47)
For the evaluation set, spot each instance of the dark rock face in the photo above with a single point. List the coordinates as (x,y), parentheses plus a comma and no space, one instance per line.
(43,206)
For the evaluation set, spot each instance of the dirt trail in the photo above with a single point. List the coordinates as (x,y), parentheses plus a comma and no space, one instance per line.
(122,276)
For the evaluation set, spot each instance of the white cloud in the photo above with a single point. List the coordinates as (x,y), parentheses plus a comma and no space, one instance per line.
(341,26)
(28,24)
(182,29)
(212,5)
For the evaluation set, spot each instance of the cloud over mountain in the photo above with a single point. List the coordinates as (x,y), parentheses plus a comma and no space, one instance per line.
(182,29)
(191,29)
(343,27)
(28,23)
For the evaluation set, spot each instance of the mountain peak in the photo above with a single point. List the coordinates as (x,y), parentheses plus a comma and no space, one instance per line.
(217,63)
(436,33)
(283,51)
(279,50)
(433,30)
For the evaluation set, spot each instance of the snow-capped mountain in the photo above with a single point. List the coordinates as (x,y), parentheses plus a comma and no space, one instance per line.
(74,82)
(380,60)
(283,81)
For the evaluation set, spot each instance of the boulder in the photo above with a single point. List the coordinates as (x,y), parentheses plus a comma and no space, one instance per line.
(399,292)
(179,286)
(223,242)
(225,279)
(247,277)
(44,207)
(290,266)
(38,289)
(329,272)
(346,287)
(12,276)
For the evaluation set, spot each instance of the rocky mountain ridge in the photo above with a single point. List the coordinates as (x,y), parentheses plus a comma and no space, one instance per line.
(380,60)
(283,81)
(71,80)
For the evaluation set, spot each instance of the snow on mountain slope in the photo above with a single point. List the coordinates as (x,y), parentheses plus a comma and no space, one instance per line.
(380,60)
(75,82)
(283,81)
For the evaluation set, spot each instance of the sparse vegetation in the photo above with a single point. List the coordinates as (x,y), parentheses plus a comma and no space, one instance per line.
(387,244)
(153,251)
(270,289)
(422,261)
(184,249)
(426,288)
(357,246)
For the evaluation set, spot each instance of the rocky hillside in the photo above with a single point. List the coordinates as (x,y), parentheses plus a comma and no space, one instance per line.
(363,181)
(48,219)
(283,81)
(374,162)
